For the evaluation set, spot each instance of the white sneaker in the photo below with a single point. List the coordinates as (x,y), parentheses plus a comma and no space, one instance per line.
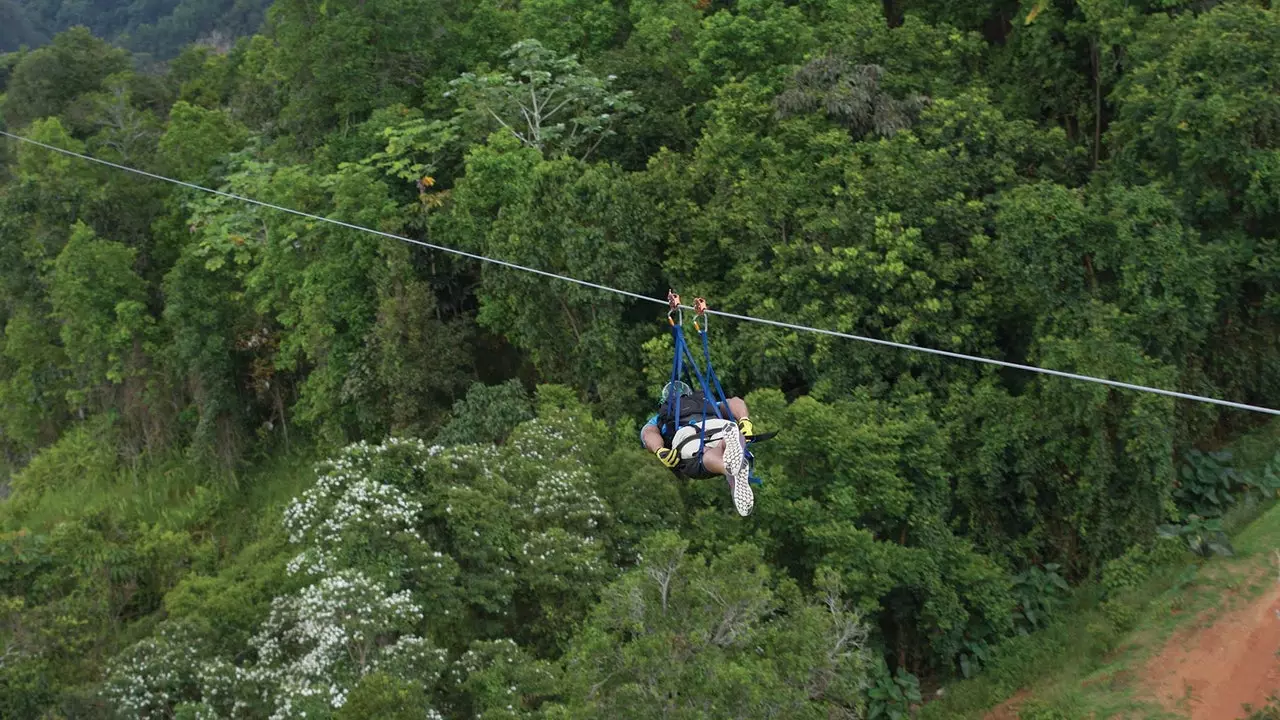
(737,470)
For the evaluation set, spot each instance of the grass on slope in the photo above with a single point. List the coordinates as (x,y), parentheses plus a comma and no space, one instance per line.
(1088,664)
(82,476)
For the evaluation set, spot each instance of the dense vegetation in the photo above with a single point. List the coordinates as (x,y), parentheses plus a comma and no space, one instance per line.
(261,466)
(159,28)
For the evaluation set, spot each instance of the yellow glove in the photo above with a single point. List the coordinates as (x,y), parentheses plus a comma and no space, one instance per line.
(744,425)
(668,456)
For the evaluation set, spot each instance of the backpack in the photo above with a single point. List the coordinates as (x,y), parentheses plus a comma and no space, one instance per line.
(691,411)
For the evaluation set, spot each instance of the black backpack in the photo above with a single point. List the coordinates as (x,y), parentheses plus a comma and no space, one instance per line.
(691,410)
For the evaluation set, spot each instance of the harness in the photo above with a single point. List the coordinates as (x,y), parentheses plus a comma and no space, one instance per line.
(708,400)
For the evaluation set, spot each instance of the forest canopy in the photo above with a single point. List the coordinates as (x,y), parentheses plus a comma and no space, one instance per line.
(159,29)
(259,466)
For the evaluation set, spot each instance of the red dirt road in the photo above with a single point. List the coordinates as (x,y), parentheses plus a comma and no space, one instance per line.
(1210,672)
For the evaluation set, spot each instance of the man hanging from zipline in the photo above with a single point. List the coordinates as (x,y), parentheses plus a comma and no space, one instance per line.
(701,434)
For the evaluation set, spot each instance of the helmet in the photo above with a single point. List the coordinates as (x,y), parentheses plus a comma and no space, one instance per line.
(680,387)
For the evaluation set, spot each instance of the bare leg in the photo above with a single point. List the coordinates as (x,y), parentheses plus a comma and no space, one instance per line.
(738,408)
(713,459)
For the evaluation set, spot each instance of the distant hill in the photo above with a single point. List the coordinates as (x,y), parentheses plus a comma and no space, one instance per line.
(159,28)
(16,28)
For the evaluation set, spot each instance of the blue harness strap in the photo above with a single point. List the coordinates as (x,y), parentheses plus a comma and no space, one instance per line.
(711,371)
(673,401)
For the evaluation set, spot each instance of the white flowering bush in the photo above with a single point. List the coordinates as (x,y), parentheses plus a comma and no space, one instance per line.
(318,643)
(561,490)
(567,499)
(560,561)
(406,548)
(352,515)
(168,672)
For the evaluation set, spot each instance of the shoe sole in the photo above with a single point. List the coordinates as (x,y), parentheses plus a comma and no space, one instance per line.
(738,472)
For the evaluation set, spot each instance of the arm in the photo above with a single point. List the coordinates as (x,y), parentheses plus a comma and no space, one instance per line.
(651,438)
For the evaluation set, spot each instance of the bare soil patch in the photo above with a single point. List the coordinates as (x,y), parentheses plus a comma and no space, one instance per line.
(1208,672)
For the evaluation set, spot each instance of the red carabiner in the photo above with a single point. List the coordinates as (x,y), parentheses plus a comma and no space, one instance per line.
(699,311)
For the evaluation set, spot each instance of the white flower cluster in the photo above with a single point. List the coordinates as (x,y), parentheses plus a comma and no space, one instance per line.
(166,670)
(557,557)
(485,458)
(317,643)
(567,498)
(487,655)
(345,507)
(411,656)
(540,437)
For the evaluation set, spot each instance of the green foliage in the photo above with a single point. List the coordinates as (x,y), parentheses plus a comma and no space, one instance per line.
(564,216)
(758,38)
(100,303)
(1221,154)
(83,454)
(893,696)
(858,476)
(546,101)
(487,414)
(386,48)
(1087,187)
(849,95)
(1203,536)
(691,631)
(384,696)
(1208,484)
(54,80)
(1040,593)
(1126,572)
(197,140)
(33,398)
(1263,483)
(584,26)
(16,29)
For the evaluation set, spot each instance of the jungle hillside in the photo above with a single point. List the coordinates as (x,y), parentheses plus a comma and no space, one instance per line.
(258,465)
(154,29)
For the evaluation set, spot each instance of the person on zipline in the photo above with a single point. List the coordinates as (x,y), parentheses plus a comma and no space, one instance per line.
(680,444)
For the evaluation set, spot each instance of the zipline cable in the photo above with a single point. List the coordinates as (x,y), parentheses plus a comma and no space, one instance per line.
(340,223)
(645,298)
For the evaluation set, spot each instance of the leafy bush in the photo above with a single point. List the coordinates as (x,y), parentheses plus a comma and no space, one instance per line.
(487,414)
(1126,572)
(1122,614)
(1040,593)
(1203,536)
(1264,483)
(379,695)
(82,458)
(1166,550)
(975,656)
(1208,485)
(892,696)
